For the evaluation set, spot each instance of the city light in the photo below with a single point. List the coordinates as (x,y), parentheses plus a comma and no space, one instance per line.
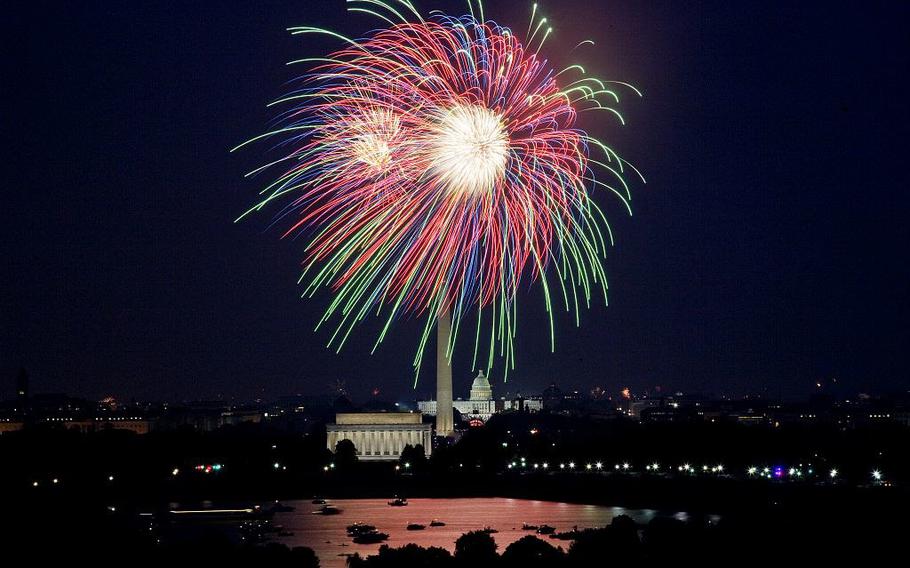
(833,473)
(599,465)
(752,470)
(877,475)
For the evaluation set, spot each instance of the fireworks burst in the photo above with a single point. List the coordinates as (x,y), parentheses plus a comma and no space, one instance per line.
(437,167)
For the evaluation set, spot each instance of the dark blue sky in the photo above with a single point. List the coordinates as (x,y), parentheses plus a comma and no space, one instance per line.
(768,249)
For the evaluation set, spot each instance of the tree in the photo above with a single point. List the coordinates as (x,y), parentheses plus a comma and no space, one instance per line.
(414,457)
(304,557)
(408,556)
(532,552)
(620,538)
(476,547)
(345,454)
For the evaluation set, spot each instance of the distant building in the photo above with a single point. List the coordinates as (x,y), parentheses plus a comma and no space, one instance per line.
(479,406)
(136,424)
(636,407)
(206,416)
(522,404)
(380,436)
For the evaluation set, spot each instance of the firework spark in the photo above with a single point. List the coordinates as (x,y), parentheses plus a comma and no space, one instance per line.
(437,167)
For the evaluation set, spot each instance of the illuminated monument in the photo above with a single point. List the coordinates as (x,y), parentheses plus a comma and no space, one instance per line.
(445,418)
(379,436)
(480,403)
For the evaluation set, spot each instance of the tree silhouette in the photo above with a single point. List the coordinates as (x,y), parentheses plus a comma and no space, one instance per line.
(345,454)
(476,547)
(532,552)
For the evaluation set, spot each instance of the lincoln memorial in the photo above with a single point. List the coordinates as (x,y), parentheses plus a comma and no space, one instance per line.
(380,435)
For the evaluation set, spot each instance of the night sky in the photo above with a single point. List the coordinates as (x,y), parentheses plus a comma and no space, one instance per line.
(767,251)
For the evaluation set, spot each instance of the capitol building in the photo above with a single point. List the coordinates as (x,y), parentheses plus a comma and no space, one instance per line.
(480,404)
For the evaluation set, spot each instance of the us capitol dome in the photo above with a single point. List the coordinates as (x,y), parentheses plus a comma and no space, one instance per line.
(481,389)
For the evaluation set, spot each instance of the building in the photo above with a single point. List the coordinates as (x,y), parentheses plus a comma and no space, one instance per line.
(479,406)
(380,435)
(522,404)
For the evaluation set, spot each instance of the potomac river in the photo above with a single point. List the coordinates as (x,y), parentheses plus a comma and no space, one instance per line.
(326,534)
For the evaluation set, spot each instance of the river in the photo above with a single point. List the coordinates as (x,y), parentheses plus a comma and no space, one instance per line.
(326,534)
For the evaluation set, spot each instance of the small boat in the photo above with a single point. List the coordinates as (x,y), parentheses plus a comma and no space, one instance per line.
(398,502)
(528,527)
(489,530)
(416,527)
(318,501)
(437,523)
(370,538)
(360,528)
(327,510)
(546,529)
(279,507)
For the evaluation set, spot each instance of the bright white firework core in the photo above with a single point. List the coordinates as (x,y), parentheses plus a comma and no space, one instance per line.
(470,149)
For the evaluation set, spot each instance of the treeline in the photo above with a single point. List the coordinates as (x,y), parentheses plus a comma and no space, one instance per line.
(665,542)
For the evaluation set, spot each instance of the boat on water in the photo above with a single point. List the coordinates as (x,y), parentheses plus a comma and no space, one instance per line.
(398,502)
(327,510)
(318,501)
(529,527)
(489,530)
(437,523)
(371,537)
(546,529)
(416,527)
(360,528)
(279,507)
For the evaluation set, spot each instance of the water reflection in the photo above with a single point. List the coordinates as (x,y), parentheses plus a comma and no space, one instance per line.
(327,535)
